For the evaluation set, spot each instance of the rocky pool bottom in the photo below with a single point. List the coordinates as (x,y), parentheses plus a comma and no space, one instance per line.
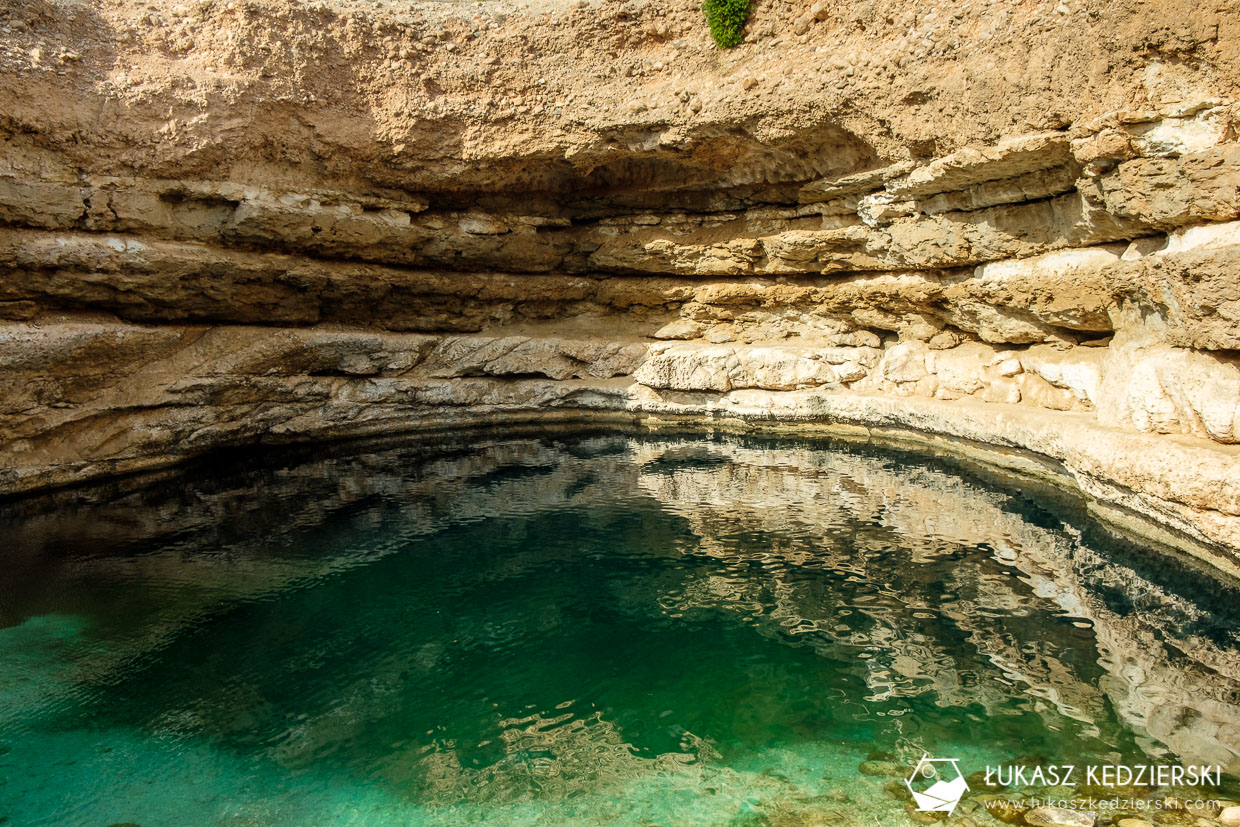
(601,628)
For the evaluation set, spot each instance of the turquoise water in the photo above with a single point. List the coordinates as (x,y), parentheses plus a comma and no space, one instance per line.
(586,630)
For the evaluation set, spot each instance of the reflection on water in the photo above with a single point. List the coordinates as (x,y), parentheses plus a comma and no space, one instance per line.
(587,630)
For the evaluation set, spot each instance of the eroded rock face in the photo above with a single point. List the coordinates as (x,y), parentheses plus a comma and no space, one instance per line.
(598,216)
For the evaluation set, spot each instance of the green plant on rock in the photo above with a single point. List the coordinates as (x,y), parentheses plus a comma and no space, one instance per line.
(726,18)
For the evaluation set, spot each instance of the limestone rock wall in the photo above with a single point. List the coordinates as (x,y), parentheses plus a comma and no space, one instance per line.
(221,226)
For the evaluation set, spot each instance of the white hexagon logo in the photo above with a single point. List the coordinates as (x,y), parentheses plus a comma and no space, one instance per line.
(936,784)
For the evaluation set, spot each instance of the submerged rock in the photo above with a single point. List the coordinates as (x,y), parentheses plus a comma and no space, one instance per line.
(1060,817)
(882,768)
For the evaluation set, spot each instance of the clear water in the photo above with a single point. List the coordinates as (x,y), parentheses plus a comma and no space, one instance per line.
(586,630)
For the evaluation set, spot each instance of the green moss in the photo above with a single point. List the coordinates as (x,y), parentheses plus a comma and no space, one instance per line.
(726,18)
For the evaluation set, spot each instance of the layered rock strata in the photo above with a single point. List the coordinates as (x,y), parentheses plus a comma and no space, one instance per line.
(1050,279)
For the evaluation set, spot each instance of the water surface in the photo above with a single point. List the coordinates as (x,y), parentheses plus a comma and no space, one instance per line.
(586,630)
